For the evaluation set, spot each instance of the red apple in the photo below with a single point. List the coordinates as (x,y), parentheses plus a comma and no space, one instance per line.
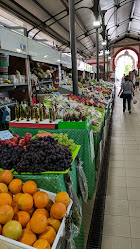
(7,141)
(21,137)
(17,136)
(14,139)
(28,137)
(12,144)
(22,141)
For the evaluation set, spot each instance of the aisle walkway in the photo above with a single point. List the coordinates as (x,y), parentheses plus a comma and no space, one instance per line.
(122,212)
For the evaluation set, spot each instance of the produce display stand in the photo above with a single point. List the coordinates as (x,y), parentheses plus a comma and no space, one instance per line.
(81,137)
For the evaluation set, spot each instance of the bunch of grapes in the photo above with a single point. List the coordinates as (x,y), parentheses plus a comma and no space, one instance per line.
(64,141)
(10,156)
(44,154)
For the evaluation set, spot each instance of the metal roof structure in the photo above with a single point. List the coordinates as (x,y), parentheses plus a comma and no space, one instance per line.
(48,21)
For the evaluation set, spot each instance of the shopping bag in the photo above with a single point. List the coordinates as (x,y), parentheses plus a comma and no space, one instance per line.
(134,101)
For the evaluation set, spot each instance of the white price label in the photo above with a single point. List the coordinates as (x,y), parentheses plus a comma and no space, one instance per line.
(5,135)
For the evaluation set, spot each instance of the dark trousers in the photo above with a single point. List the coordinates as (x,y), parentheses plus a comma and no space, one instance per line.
(128,98)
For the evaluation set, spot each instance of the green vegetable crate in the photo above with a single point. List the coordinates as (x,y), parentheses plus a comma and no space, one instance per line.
(73,124)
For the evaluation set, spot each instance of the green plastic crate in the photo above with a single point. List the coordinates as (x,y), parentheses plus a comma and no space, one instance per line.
(73,124)
(4,64)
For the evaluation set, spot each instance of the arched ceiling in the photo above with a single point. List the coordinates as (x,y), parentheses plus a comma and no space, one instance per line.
(50,20)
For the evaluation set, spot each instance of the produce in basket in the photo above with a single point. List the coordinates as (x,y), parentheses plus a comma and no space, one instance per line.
(40,155)
(39,227)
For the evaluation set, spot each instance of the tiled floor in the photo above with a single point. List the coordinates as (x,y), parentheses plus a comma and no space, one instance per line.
(122,212)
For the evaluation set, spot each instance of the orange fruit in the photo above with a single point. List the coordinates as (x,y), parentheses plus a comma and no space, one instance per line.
(0,229)
(10,194)
(16,197)
(27,237)
(31,211)
(5,199)
(28,225)
(14,205)
(22,217)
(49,234)
(63,197)
(25,202)
(6,176)
(41,199)
(58,210)
(15,186)
(12,230)
(50,203)
(54,223)
(6,213)
(42,244)
(42,211)
(3,188)
(38,223)
(29,187)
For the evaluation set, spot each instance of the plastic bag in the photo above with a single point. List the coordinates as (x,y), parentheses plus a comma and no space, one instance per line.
(69,242)
(76,207)
(134,101)
(82,181)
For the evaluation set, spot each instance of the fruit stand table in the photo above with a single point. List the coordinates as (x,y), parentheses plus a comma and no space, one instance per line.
(82,137)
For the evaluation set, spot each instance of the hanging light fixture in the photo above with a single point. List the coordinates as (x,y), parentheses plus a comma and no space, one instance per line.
(126,53)
(104,43)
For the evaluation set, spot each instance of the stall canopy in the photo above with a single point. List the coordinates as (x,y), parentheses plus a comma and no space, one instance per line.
(48,21)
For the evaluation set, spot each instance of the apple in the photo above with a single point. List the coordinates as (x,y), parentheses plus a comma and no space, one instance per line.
(22,141)
(28,137)
(14,139)
(21,137)
(17,136)
(13,144)
(8,141)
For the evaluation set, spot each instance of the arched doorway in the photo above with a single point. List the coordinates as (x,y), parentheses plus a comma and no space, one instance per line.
(126,48)
(125,60)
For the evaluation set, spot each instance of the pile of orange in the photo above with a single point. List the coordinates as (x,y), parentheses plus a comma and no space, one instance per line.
(28,215)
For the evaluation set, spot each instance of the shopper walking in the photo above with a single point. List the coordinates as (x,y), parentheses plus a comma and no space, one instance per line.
(133,77)
(123,78)
(126,90)
(137,81)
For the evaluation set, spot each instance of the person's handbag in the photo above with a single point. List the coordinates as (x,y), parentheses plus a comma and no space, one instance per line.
(121,95)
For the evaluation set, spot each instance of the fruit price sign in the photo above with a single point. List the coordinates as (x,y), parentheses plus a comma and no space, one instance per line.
(5,135)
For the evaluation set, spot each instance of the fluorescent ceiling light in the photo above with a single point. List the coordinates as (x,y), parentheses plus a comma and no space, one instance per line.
(45,56)
(58,60)
(104,43)
(109,57)
(96,24)
(107,52)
